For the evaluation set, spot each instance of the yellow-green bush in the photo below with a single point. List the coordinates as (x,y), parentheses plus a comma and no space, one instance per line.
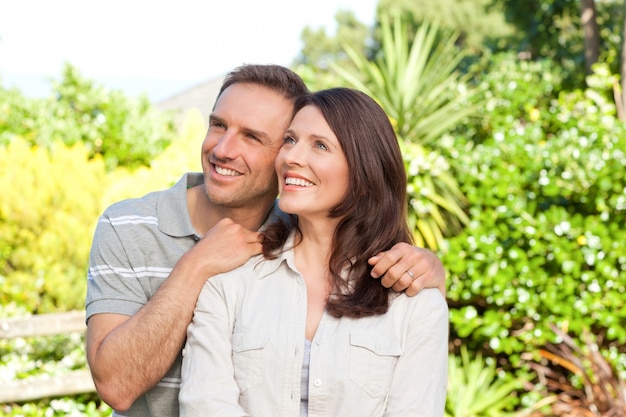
(48,209)
(49,206)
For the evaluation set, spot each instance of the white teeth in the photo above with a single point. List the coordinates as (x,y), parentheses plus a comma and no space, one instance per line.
(298,181)
(226,171)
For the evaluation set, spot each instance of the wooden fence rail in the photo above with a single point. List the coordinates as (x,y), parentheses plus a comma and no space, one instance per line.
(33,388)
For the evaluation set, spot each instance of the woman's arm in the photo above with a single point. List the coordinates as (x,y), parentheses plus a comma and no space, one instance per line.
(421,374)
(208,385)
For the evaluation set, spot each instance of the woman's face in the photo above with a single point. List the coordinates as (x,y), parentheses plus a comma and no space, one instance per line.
(311,166)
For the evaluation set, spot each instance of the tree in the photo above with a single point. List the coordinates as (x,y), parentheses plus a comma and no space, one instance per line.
(320,49)
(621,99)
(554,29)
(479,23)
(589,23)
(125,131)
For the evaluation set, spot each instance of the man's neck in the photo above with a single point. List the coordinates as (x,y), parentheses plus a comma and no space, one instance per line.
(204,214)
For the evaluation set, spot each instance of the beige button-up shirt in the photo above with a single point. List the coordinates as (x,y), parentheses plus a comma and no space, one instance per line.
(244,351)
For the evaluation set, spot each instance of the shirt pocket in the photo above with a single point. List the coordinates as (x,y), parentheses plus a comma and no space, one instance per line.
(249,359)
(372,361)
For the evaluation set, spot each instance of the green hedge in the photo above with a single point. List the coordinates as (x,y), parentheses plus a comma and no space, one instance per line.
(547,195)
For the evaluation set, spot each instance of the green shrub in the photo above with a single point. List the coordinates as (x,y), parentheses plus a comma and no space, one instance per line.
(514,90)
(545,243)
(79,406)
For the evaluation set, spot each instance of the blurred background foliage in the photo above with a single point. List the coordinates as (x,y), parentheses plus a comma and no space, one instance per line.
(515,153)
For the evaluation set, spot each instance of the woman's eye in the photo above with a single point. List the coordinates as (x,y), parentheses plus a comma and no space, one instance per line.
(322,146)
(289,140)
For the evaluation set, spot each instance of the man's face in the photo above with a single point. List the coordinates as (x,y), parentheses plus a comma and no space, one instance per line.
(245,133)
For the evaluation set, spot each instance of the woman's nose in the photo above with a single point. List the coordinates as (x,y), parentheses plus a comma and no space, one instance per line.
(295,154)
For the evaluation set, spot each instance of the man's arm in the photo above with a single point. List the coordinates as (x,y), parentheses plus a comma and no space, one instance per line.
(129,355)
(426,270)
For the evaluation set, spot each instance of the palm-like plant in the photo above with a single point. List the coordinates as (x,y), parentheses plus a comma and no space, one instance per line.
(474,388)
(436,204)
(418,84)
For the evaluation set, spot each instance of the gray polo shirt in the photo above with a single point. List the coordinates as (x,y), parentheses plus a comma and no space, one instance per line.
(136,244)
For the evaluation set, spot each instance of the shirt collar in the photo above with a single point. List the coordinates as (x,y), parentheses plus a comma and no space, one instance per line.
(172,211)
(267,267)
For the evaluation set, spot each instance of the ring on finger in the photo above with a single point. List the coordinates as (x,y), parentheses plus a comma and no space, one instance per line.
(410,274)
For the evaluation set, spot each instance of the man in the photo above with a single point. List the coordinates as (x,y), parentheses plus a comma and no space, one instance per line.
(151,256)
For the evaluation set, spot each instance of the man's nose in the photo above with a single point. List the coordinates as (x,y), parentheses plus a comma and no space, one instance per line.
(227,146)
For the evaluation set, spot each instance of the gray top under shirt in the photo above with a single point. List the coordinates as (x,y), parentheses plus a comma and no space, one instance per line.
(304,383)
(136,244)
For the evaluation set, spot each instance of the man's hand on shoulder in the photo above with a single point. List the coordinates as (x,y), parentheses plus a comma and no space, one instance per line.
(405,267)
(224,247)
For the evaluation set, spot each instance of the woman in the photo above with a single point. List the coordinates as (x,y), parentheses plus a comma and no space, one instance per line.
(303,329)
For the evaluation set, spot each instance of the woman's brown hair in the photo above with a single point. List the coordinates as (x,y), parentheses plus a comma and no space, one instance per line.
(373,213)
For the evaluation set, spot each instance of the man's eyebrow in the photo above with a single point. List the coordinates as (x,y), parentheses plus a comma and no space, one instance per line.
(259,134)
(214,117)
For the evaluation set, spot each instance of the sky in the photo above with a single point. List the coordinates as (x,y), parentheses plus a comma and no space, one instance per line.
(154,47)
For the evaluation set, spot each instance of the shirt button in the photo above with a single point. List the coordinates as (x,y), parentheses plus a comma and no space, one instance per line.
(317,382)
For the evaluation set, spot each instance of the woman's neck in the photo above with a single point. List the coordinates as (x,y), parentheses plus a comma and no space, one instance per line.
(312,255)
(316,240)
